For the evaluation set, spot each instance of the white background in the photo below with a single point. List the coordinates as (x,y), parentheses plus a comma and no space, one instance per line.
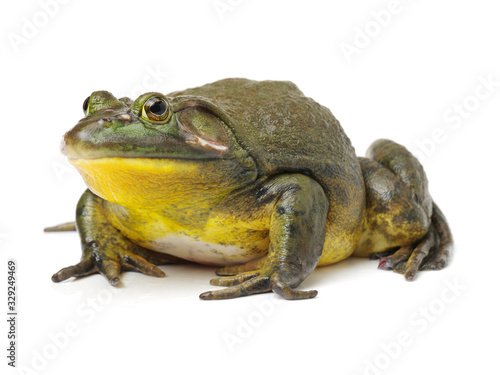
(406,81)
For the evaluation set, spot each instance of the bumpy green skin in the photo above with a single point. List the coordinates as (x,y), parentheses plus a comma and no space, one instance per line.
(286,132)
(323,202)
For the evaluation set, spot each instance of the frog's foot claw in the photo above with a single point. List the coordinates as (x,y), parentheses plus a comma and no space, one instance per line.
(254,282)
(433,252)
(240,268)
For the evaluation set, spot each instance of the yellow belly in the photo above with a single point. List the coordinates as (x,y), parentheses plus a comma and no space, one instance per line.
(220,240)
(150,207)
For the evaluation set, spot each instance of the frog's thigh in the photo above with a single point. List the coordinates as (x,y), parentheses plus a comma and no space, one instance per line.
(393,218)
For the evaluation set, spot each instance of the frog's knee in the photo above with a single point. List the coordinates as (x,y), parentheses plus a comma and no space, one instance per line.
(393,216)
(405,166)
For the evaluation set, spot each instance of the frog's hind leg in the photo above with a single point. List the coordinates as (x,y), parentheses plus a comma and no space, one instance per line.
(433,252)
(404,228)
(442,255)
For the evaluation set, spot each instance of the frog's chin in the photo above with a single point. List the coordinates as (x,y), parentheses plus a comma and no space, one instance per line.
(120,180)
(154,183)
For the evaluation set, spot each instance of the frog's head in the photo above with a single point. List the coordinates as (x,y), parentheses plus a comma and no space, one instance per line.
(123,148)
(148,128)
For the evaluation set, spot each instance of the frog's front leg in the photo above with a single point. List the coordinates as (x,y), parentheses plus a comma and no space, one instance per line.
(105,249)
(297,233)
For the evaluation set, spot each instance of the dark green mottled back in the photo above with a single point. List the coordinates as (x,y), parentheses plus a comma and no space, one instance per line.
(284,131)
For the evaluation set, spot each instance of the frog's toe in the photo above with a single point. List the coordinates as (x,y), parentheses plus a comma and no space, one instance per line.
(84,268)
(286,292)
(442,256)
(110,268)
(152,257)
(234,280)
(383,254)
(418,255)
(400,256)
(253,286)
(110,265)
(138,263)
(240,268)
(255,282)
(433,252)
(408,259)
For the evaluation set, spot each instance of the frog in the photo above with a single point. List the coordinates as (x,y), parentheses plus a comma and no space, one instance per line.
(250,177)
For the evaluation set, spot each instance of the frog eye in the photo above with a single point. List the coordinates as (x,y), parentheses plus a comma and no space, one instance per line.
(156,109)
(86,106)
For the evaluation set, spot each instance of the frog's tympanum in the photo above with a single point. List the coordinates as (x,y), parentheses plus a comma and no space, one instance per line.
(252,177)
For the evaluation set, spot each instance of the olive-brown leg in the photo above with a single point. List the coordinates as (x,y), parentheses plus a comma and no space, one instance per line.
(297,233)
(433,252)
(397,191)
(105,250)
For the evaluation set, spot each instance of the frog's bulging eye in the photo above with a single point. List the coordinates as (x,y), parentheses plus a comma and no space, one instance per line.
(86,106)
(156,109)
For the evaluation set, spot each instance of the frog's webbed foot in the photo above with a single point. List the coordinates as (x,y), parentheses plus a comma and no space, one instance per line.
(408,259)
(264,278)
(111,263)
(433,252)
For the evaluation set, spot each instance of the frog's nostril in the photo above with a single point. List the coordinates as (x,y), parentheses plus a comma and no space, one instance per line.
(105,122)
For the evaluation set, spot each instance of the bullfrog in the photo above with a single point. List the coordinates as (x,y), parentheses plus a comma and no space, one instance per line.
(251,177)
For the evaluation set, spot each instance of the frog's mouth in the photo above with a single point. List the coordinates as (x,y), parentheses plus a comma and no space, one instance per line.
(124,135)
(81,146)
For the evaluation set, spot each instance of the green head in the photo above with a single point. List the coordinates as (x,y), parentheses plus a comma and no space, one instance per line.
(157,150)
(153,126)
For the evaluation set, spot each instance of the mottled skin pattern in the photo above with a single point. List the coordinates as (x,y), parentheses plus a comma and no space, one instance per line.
(251,176)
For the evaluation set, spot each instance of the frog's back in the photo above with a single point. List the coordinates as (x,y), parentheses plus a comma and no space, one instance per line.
(287,132)
(283,130)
